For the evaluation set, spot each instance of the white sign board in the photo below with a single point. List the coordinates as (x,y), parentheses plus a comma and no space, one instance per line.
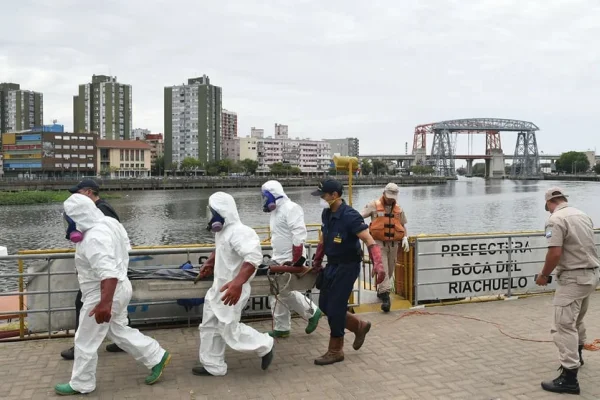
(451,268)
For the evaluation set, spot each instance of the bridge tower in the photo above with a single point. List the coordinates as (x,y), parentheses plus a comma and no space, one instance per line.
(441,152)
(526,163)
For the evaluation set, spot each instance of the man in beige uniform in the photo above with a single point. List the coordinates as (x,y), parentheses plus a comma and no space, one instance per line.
(572,251)
(388,228)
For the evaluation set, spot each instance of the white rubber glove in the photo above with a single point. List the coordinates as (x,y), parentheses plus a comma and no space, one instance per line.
(405,245)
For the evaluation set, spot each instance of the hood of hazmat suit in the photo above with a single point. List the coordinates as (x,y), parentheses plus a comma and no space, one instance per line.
(104,251)
(287,224)
(235,244)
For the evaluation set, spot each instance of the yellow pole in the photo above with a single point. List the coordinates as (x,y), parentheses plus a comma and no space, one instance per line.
(21,302)
(350,183)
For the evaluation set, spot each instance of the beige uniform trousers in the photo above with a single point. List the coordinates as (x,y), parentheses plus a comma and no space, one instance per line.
(571,300)
(389,255)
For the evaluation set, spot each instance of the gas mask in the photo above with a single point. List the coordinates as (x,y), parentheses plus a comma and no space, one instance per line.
(215,220)
(269,201)
(72,233)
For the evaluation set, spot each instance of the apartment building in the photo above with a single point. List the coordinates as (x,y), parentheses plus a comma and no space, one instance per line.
(19,109)
(157,145)
(344,147)
(104,107)
(193,118)
(308,155)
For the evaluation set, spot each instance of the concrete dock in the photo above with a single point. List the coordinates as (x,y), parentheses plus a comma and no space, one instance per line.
(482,351)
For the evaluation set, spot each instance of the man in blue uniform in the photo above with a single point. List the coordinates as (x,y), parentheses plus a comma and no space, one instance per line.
(343,228)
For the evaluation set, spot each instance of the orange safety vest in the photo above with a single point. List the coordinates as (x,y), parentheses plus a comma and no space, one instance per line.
(387,227)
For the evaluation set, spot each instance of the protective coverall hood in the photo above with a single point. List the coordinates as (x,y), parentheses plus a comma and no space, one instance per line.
(82,210)
(224,204)
(274,187)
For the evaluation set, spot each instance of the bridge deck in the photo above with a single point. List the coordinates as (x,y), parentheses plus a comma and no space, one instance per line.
(417,357)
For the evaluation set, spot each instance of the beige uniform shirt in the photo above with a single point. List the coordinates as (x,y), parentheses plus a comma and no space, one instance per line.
(572,230)
(370,210)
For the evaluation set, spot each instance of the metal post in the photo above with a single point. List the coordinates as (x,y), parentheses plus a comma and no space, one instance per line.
(49,301)
(350,183)
(509,266)
(21,302)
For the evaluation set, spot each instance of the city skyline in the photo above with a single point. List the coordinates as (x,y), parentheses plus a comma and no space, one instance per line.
(365,71)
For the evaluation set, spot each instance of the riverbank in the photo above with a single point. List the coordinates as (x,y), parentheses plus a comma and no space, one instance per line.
(576,178)
(211,183)
(38,197)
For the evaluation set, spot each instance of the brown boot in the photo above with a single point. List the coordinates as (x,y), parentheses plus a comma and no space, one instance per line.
(334,354)
(359,327)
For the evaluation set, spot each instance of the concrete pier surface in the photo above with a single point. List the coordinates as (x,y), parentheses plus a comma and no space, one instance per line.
(480,351)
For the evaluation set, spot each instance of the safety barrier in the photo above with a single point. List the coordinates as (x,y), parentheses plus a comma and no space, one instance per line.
(457,267)
(60,293)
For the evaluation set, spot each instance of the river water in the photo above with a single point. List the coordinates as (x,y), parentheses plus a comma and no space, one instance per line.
(469,205)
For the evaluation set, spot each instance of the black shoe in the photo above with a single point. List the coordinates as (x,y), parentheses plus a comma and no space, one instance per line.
(113,348)
(266,359)
(565,383)
(200,371)
(385,302)
(580,355)
(68,354)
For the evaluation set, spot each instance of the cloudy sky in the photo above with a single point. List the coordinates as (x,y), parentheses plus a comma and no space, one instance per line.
(329,69)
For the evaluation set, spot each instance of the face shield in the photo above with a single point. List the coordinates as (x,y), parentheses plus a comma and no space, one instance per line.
(215,221)
(72,233)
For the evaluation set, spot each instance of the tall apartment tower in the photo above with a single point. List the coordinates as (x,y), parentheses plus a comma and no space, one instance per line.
(103,107)
(20,109)
(193,115)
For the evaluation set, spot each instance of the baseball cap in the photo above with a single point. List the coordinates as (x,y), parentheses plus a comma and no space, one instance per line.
(553,193)
(86,183)
(391,191)
(328,186)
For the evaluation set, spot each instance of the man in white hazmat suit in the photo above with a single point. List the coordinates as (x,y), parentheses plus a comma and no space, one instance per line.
(235,259)
(101,260)
(288,236)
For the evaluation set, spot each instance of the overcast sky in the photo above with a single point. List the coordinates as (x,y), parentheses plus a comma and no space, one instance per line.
(370,69)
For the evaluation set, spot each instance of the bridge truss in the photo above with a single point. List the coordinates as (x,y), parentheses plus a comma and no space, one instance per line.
(526,163)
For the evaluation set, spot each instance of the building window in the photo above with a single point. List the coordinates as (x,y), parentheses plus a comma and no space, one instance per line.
(126,155)
(121,155)
(131,155)
(137,155)
(142,156)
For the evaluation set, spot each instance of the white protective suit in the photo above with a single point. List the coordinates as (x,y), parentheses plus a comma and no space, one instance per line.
(102,254)
(235,244)
(287,230)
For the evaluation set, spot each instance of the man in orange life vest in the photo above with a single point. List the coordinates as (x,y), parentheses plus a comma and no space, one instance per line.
(387,227)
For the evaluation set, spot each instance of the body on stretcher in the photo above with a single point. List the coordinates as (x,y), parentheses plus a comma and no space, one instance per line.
(174,284)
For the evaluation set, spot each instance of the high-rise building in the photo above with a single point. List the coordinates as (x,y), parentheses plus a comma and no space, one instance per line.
(229,134)
(281,131)
(103,107)
(193,114)
(140,134)
(344,147)
(19,109)
(257,133)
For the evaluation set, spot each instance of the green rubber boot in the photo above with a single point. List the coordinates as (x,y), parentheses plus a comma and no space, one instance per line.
(279,334)
(158,369)
(64,389)
(313,322)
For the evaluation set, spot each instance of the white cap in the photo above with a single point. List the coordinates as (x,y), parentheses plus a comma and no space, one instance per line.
(3,251)
(391,191)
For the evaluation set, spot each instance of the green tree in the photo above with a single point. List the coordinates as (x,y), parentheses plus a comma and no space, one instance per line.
(422,169)
(249,166)
(379,167)
(365,167)
(479,169)
(190,163)
(173,167)
(158,166)
(597,168)
(573,162)
(284,169)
